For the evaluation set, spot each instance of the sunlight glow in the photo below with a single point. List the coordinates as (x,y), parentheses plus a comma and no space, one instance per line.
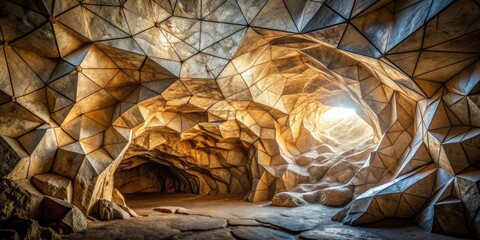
(338,113)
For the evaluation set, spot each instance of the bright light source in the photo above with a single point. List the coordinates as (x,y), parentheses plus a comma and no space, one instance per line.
(338,113)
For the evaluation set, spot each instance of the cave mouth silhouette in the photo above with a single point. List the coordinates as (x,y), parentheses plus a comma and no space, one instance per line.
(152,177)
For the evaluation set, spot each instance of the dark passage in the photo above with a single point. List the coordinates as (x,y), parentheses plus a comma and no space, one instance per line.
(154,177)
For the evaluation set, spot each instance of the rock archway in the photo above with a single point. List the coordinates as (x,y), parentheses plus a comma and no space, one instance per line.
(228,99)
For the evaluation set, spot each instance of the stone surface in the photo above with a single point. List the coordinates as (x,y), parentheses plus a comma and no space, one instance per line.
(108,210)
(289,223)
(135,228)
(287,199)
(54,185)
(156,225)
(337,233)
(63,215)
(27,229)
(336,196)
(243,222)
(251,233)
(219,234)
(170,209)
(247,98)
(118,198)
(13,159)
(18,201)
(194,223)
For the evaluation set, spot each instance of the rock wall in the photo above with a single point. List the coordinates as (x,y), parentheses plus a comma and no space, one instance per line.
(227,90)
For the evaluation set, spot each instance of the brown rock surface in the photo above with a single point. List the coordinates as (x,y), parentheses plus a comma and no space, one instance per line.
(108,210)
(17,201)
(63,215)
(54,185)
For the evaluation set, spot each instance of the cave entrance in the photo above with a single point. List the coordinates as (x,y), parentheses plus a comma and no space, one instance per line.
(341,128)
(153,177)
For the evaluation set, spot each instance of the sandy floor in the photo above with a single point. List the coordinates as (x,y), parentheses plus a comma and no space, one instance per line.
(208,217)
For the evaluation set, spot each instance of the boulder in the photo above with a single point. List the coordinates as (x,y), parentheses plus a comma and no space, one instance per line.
(108,210)
(18,201)
(63,216)
(54,185)
(170,209)
(288,199)
(118,198)
(336,196)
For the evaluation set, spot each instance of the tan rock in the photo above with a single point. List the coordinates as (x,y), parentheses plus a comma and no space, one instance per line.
(107,210)
(63,215)
(288,199)
(54,185)
(336,196)
(118,198)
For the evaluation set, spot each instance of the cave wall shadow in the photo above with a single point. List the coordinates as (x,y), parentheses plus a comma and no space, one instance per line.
(152,177)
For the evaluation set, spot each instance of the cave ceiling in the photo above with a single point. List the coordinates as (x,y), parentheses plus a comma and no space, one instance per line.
(225,91)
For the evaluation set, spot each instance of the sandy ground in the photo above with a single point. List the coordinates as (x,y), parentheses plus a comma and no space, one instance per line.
(213,217)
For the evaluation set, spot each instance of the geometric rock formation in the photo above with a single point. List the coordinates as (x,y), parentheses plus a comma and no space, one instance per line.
(451,208)
(14,160)
(243,98)
(68,160)
(63,216)
(54,185)
(408,193)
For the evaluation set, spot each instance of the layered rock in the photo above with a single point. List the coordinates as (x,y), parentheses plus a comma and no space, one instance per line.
(233,99)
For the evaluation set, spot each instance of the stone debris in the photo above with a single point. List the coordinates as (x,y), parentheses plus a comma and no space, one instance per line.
(171,209)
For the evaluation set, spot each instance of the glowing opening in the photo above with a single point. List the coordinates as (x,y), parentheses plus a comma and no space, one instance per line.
(338,113)
(339,128)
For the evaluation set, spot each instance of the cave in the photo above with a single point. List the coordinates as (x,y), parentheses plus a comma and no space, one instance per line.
(239,119)
(155,178)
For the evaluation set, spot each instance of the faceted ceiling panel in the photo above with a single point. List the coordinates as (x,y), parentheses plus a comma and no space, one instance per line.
(228,91)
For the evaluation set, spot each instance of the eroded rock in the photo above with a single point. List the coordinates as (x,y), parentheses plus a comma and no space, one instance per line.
(54,185)
(336,196)
(118,198)
(170,209)
(288,199)
(108,210)
(63,215)
(18,201)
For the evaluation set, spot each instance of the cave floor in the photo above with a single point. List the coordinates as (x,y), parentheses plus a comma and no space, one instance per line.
(209,217)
